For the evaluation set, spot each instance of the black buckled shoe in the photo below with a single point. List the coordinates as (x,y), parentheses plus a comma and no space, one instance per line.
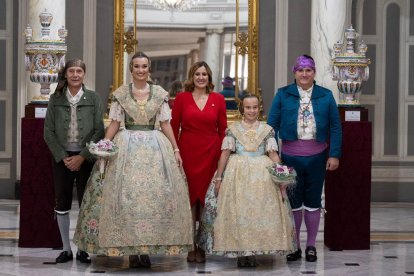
(145,261)
(294,256)
(64,257)
(311,254)
(242,262)
(251,260)
(83,257)
(134,261)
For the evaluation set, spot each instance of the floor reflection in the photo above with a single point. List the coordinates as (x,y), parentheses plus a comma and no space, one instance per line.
(392,248)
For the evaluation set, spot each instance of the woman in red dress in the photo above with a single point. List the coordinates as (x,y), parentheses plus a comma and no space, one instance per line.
(199,122)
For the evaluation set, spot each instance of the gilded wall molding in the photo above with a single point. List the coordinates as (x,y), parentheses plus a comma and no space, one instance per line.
(118,73)
(253,66)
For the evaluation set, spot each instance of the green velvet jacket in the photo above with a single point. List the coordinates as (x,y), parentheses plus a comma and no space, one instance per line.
(90,123)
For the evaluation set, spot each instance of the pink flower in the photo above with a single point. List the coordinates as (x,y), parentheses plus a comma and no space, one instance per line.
(92,224)
(106,146)
(282,173)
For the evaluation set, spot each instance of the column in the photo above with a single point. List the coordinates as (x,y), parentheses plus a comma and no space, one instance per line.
(328,22)
(212,53)
(89,39)
(201,48)
(327,26)
(57,9)
(192,57)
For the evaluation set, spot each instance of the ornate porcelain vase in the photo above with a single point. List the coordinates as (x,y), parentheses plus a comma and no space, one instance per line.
(44,57)
(350,68)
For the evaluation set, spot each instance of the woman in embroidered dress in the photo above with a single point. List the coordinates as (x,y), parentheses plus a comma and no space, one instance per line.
(142,205)
(199,122)
(249,216)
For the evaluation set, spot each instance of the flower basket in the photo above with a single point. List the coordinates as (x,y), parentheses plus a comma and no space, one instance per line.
(282,174)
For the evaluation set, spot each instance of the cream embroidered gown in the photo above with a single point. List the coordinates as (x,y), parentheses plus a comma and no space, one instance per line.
(249,217)
(142,205)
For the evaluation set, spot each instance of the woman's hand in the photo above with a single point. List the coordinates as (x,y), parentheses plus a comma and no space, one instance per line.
(178,158)
(217,185)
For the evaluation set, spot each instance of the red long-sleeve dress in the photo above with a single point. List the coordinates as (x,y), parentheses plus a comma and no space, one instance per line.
(199,134)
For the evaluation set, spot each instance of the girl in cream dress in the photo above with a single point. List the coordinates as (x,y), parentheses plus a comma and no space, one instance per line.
(246,213)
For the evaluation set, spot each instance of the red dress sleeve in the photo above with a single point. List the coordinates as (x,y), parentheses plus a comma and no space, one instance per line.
(222,118)
(176,115)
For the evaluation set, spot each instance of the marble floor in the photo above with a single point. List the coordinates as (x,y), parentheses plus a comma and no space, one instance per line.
(391,253)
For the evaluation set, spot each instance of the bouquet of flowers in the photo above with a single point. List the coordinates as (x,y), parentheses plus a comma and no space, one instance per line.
(104,149)
(282,174)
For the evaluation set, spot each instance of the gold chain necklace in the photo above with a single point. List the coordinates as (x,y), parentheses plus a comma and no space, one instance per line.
(141,106)
(250,132)
(141,102)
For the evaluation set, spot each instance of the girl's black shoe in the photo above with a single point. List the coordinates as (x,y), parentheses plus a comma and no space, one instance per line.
(242,262)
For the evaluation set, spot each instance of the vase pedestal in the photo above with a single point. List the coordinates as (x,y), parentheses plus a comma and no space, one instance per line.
(348,191)
(38,227)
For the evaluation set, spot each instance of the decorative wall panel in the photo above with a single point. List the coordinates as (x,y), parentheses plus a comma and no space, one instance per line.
(410,130)
(411,68)
(2,125)
(392,88)
(369,17)
(3,17)
(3,64)
(4,170)
(411,17)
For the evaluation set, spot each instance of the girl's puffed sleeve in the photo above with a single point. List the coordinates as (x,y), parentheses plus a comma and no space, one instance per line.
(271,144)
(229,141)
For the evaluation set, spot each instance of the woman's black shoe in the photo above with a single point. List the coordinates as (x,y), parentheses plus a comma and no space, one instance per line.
(134,261)
(311,254)
(64,257)
(83,257)
(294,256)
(145,261)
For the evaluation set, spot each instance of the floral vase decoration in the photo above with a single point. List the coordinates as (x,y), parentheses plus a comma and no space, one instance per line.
(44,56)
